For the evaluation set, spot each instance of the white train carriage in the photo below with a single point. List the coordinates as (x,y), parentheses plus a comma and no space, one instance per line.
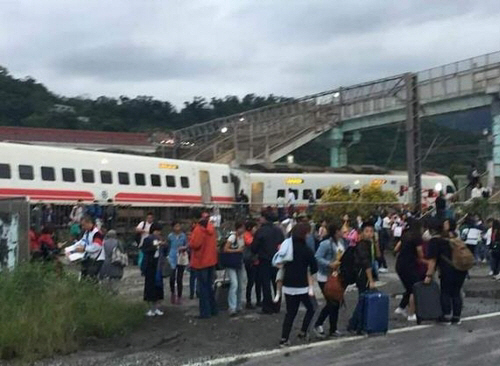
(266,188)
(63,176)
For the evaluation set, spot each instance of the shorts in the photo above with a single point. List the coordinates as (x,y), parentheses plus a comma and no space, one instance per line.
(280,276)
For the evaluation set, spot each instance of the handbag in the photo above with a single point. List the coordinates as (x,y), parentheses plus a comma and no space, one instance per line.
(231,260)
(334,290)
(166,268)
(182,259)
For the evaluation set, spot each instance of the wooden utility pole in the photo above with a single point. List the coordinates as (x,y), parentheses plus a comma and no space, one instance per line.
(413,146)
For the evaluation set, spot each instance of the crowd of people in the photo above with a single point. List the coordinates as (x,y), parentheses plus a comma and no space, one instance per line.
(279,258)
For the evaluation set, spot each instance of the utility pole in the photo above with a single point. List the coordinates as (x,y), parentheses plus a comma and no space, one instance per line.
(413,147)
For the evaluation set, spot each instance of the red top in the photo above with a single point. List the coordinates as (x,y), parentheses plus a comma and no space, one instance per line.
(47,240)
(34,247)
(203,245)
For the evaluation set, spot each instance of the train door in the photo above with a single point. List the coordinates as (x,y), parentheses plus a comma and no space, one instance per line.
(206,189)
(257,196)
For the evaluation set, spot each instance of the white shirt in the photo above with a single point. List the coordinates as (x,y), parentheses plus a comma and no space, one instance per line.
(472,235)
(295,290)
(144,225)
(281,202)
(476,193)
(216,220)
(386,222)
(236,242)
(291,198)
(487,236)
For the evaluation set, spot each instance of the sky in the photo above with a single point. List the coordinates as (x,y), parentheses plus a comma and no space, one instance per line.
(177,49)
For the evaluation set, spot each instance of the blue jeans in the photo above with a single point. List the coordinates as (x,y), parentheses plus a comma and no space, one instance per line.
(206,292)
(235,289)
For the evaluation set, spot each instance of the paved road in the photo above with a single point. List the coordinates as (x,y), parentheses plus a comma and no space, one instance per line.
(475,342)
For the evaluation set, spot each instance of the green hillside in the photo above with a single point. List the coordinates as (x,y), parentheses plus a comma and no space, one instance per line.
(24,102)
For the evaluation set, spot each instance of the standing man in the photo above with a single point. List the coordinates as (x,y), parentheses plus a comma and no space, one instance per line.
(364,281)
(265,243)
(203,245)
(77,212)
(142,230)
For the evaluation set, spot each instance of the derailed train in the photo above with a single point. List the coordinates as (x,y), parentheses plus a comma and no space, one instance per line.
(63,176)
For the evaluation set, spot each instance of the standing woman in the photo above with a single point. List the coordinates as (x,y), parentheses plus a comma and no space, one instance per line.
(179,259)
(111,272)
(323,231)
(251,265)
(410,255)
(439,256)
(296,284)
(235,244)
(328,257)
(153,281)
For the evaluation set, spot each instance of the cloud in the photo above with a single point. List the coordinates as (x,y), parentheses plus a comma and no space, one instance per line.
(176,50)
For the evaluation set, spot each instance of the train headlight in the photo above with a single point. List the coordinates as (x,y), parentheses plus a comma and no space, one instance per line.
(438,187)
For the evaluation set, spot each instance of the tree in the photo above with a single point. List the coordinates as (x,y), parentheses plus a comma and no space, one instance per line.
(337,201)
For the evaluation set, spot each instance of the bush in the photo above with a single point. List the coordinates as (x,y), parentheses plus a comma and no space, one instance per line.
(337,201)
(44,312)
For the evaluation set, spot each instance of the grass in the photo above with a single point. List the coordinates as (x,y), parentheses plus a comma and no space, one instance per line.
(43,312)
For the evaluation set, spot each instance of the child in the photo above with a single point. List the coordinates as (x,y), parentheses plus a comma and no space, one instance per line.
(285,254)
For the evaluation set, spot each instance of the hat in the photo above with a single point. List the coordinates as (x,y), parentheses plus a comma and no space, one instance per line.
(111,234)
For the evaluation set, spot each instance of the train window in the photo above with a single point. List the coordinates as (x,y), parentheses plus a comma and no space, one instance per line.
(225,179)
(123,178)
(68,174)
(106,177)
(140,179)
(319,194)
(450,189)
(281,193)
(155,180)
(88,176)
(306,193)
(48,173)
(184,182)
(4,171)
(26,172)
(295,193)
(170,181)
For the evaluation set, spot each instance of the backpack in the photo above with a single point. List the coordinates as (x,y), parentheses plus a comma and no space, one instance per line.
(347,270)
(462,258)
(119,257)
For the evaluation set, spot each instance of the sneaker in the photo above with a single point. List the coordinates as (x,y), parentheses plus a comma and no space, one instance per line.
(319,331)
(335,334)
(497,277)
(173,299)
(232,313)
(158,312)
(285,343)
(178,301)
(150,313)
(303,335)
(249,306)
(412,318)
(445,320)
(383,270)
(456,321)
(490,273)
(402,312)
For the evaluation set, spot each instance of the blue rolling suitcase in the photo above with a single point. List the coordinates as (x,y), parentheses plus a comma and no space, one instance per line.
(376,312)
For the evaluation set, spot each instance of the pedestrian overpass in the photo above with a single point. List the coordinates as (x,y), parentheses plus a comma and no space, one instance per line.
(270,133)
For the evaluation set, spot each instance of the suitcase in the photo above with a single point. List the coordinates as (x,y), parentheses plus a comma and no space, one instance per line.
(221,289)
(376,312)
(427,301)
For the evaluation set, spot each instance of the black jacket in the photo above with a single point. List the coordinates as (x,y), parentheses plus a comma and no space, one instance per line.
(266,241)
(296,270)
